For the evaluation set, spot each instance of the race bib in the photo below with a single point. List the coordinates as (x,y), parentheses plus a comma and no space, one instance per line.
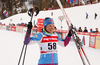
(49,47)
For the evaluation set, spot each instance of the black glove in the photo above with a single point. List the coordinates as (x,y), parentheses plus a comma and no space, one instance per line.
(69,33)
(29,26)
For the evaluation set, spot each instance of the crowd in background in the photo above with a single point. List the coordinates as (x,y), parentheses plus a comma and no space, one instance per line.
(12,24)
(78,30)
(19,24)
(72,5)
(85,30)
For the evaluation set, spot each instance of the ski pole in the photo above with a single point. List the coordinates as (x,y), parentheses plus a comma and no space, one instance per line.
(76,40)
(74,35)
(21,54)
(25,41)
(34,20)
(24,54)
(80,53)
(85,56)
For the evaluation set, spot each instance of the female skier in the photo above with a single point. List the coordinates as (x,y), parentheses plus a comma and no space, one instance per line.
(48,41)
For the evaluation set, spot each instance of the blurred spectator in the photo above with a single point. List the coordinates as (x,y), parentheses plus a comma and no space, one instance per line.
(95,1)
(85,29)
(13,24)
(89,2)
(4,24)
(96,30)
(79,30)
(51,13)
(86,15)
(75,28)
(95,16)
(91,30)
(9,23)
(22,24)
(45,9)
(25,25)
(0,23)
(52,6)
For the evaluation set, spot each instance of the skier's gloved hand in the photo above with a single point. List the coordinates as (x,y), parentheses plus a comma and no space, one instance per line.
(29,26)
(28,33)
(69,33)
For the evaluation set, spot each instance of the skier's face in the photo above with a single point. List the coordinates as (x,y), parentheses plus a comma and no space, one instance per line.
(50,28)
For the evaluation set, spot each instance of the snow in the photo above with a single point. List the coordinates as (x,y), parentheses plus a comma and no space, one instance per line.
(12,42)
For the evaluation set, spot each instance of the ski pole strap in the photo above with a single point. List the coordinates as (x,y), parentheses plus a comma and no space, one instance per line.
(27,38)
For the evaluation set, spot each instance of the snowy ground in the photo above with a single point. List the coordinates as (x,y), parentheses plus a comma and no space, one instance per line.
(12,42)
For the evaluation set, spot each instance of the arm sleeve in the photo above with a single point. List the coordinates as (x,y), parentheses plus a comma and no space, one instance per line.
(36,39)
(65,42)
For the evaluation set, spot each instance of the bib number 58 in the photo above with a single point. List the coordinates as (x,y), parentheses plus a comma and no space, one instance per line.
(52,46)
